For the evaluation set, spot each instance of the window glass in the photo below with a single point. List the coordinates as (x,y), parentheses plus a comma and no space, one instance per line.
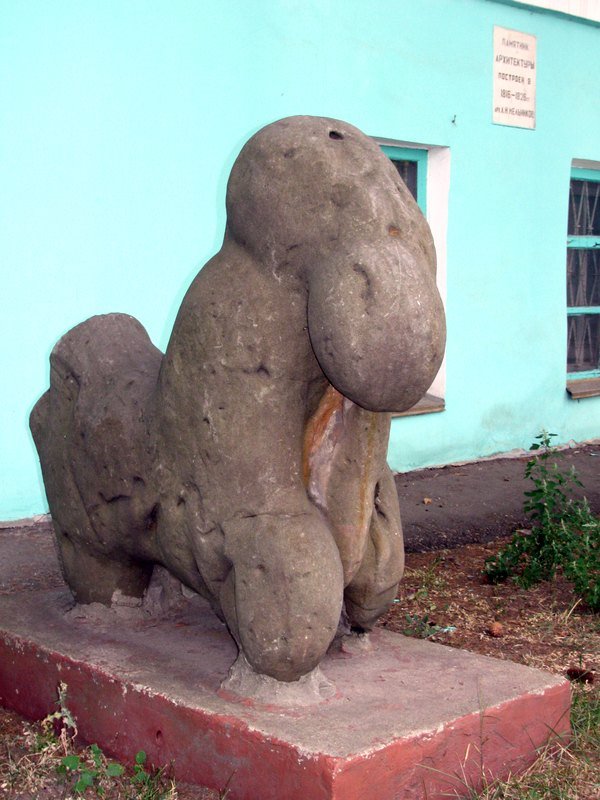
(408,172)
(583,277)
(583,351)
(411,165)
(584,208)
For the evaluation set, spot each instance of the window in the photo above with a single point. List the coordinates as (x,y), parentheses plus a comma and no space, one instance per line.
(583,281)
(411,164)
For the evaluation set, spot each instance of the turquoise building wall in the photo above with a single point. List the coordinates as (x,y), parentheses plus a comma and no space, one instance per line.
(120,120)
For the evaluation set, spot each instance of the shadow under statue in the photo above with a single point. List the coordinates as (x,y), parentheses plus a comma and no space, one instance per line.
(250,459)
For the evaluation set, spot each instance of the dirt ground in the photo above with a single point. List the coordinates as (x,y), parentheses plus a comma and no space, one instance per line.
(445,597)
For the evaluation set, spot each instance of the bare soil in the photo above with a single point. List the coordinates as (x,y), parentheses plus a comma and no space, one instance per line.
(445,597)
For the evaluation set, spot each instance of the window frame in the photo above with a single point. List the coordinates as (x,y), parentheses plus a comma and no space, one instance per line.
(583,243)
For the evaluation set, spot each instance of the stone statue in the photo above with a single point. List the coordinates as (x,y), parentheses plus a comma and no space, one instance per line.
(250,459)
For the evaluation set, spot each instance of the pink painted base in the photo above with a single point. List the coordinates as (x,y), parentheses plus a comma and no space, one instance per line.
(410,719)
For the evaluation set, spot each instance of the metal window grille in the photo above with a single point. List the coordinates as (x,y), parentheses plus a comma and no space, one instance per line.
(584,208)
(583,277)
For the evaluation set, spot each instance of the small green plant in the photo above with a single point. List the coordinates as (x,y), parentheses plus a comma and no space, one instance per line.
(91,772)
(60,725)
(140,776)
(421,627)
(430,578)
(564,533)
(149,785)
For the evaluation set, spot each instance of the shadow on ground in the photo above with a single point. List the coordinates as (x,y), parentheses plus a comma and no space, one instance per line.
(480,501)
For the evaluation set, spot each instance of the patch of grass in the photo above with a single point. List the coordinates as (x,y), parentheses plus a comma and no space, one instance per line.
(26,767)
(561,771)
(585,721)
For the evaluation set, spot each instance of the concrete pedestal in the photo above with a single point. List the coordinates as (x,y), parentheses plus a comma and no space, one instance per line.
(409,719)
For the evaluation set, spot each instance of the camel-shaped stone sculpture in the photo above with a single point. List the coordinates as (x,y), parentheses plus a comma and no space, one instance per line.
(250,459)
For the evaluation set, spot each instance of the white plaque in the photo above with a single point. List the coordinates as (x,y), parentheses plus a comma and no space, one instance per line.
(514,78)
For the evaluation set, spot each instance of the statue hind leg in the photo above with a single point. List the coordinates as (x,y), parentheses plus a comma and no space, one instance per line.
(94,503)
(375,585)
(91,575)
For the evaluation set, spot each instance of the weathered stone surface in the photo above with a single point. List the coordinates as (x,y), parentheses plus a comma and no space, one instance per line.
(249,461)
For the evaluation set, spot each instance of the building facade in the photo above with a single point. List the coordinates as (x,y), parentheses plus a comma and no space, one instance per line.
(119,123)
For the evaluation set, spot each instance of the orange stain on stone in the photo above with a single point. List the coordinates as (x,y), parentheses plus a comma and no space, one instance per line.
(314,434)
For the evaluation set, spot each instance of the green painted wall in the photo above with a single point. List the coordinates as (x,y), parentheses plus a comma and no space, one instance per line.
(119,122)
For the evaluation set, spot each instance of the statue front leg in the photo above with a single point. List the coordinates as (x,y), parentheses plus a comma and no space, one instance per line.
(283,597)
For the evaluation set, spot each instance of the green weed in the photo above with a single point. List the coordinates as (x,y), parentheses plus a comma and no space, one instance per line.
(91,772)
(564,533)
